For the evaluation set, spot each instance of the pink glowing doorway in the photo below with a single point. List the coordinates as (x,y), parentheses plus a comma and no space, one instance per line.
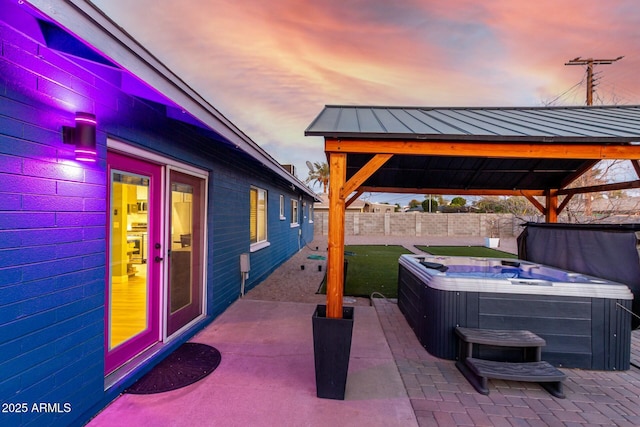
(135,258)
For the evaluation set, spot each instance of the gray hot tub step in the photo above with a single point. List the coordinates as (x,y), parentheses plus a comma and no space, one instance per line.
(478,371)
(530,343)
(500,337)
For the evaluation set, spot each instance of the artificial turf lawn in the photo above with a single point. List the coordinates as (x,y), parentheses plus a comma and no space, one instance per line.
(477,251)
(374,268)
(371,268)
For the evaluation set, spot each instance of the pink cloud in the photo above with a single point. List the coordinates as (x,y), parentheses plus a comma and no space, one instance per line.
(270,66)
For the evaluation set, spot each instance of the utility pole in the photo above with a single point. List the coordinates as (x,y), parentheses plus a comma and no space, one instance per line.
(590,63)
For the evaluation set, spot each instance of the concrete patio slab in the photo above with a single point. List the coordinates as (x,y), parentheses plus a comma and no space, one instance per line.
(267,377)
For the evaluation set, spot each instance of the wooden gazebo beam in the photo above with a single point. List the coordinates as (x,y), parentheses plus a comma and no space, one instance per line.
(353,198)
(363,173)
(586,167)
(510,150)
(636,167)
(535,203)
(461,192)
(628,185)
(564,203)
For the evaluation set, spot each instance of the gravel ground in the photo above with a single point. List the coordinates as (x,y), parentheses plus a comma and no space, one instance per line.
(290,282)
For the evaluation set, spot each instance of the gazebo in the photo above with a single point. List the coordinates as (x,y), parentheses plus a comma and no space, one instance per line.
(535,152)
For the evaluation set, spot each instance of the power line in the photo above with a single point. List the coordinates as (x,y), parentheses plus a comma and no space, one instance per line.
(553,101)
(590,62)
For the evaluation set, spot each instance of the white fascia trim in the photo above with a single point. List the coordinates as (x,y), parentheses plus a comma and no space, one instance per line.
(260,245)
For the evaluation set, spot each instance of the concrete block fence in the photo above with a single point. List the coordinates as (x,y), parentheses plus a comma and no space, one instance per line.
(417,224)
(422,224)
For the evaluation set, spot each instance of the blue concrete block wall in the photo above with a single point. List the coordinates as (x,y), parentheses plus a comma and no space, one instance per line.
(53,225)
(52,261)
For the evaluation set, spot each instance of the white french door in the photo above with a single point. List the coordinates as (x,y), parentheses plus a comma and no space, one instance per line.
(156,237)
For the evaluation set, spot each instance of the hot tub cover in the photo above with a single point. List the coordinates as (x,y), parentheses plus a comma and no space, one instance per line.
(610,251)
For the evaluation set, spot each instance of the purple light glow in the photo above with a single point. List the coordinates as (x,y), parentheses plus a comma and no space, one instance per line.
(71,170)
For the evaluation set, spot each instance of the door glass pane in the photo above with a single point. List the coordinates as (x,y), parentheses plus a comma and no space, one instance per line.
(129,252)
(180,283)
(186,230)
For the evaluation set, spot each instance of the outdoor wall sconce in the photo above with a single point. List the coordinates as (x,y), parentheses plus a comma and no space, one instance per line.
(83,136)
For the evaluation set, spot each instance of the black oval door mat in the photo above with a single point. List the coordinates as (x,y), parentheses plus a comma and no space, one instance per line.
(187,364)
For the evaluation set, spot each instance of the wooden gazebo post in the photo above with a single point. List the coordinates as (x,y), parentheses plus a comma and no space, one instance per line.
(335,260)
(339,190)
(551,214)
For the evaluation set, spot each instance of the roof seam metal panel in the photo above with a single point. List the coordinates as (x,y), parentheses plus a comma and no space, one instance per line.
(463,127)
(605,120)
(417,121)
(368,120)
(379,121)
(438,120)
(485,122)
(526,120)
(566,122)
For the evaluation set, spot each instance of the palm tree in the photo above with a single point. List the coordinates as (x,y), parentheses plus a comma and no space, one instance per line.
(319,172)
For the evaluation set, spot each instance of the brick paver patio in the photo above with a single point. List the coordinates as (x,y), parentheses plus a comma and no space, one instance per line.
(441,396)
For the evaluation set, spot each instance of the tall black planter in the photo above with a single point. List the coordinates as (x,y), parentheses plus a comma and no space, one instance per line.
(332,347)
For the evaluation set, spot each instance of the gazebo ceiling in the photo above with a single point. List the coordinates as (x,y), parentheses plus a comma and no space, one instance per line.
(465,174)
(477,150)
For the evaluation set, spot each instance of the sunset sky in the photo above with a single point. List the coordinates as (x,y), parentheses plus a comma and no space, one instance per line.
(270,66)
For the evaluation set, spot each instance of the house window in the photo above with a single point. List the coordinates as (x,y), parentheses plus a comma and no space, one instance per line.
(282,217)
(258,218)
(294,213)
(310,213)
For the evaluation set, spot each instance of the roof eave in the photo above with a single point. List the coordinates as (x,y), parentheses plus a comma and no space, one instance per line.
(361,136)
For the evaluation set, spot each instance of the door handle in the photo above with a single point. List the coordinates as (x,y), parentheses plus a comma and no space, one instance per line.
(158,259)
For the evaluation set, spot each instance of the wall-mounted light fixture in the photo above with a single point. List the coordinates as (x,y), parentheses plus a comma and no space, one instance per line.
(83,136)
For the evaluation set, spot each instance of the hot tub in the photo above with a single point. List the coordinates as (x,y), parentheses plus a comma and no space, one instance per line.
(579,316)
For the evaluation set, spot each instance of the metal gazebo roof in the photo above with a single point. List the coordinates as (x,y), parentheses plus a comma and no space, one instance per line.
(566,124)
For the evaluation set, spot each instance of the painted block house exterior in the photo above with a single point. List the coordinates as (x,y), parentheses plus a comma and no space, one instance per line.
(153,227)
